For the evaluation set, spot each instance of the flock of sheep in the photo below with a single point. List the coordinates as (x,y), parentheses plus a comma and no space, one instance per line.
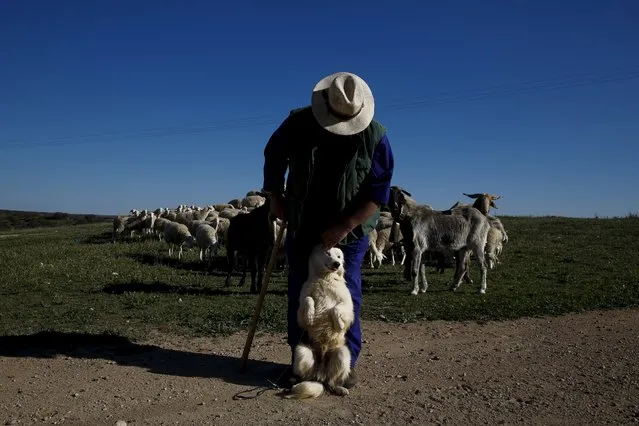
(405,230)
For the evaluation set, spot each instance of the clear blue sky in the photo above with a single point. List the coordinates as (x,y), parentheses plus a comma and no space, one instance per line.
(507,96)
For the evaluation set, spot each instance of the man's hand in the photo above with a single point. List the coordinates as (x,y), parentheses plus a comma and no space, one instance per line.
(333,235)
(278,206)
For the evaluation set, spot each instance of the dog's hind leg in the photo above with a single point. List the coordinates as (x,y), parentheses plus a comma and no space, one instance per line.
(304,362)
(337,368)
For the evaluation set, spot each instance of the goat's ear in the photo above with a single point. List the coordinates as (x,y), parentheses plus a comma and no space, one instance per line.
(406,192)
(472,195)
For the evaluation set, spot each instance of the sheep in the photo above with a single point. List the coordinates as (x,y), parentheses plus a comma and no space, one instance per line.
(229,213)
(119,224)
(220,207)
(193,224)
(281,259)
(253,201)
(236,203)
(177,235)
(493,247)
(251,235)
(212,215)
(186,217)
(159,225)
(496,223)
(206,239)
(254,192)
(483,202)
(375,255)
(222,230)
(464,230)
(385,221)
(142,222)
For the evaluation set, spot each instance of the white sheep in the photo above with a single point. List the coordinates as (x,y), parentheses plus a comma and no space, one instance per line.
(222,230)
(252,201)
(228,213)
(236,203)
(493,246)
(206,238)
(375,255)
(178,235)
(159,225)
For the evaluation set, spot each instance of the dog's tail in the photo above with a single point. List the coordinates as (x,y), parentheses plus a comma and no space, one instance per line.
(306,389)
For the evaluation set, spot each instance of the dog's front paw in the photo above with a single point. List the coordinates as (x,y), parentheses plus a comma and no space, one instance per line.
(338,320)
(307,312)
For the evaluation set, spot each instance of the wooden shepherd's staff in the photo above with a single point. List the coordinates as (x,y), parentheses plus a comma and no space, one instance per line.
(260,300)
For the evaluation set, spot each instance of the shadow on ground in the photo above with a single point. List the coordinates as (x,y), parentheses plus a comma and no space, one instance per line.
(163,288)
(49,344)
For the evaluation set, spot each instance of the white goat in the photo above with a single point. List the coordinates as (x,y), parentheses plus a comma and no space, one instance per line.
(464,230)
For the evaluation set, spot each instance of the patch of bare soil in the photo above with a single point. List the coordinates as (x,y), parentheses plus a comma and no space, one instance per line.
(575,369)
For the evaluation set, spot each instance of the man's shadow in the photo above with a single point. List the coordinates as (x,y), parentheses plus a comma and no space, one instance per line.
(48,344)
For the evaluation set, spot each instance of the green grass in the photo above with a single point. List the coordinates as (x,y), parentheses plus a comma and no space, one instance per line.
(72,279)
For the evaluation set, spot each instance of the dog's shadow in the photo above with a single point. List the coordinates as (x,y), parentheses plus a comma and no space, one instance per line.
(154,359)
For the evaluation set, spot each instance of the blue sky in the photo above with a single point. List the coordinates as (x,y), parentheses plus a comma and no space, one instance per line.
(111,105)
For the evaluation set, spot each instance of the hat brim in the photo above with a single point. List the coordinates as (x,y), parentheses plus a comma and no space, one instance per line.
(335,124)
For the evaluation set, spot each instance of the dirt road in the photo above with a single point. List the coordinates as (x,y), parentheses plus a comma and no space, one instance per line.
(576,369)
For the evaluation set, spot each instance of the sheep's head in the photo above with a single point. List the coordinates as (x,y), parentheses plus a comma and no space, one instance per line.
(189,241)
(397,202)
(483,202)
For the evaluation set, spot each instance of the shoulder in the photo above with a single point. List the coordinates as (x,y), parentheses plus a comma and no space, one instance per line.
(300,114)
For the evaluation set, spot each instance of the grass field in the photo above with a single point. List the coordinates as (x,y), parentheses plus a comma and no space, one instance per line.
(72,278)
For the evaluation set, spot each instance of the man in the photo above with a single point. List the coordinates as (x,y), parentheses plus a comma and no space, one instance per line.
(340,166)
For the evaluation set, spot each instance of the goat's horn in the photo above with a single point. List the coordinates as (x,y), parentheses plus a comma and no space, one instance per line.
(472,195)
(406,192)
(495,197)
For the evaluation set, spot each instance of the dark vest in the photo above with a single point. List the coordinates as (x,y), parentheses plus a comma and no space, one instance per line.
(325,174)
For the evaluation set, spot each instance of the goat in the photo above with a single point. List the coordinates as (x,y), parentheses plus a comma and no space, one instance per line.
(251,235)
(483,202)
(464,230)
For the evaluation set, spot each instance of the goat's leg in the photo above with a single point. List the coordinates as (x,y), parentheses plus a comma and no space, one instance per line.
(245,260)
(467,278)
(460,268)
(260,264)
(230,257)
(416,263)
(422,273)
(479,254)
(253,263)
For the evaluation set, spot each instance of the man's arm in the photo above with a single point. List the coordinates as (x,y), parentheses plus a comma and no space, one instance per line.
(376,187)
(276,159)
(275,164)
(375,192)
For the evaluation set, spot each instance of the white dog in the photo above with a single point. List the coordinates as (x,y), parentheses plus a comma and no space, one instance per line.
(326,313)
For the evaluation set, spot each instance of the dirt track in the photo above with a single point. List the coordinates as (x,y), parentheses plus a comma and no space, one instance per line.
(575,369)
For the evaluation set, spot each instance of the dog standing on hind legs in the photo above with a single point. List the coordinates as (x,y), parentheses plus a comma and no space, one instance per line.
(325,313)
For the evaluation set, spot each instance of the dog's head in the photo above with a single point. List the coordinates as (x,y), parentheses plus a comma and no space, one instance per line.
(327,261)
